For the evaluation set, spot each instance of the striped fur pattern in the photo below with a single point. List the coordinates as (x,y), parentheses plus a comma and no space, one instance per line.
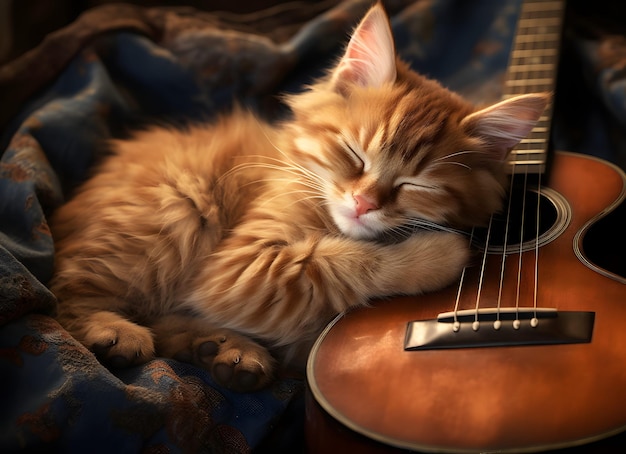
(230,244)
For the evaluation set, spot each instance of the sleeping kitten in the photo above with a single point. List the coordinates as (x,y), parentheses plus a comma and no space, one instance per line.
(216,243)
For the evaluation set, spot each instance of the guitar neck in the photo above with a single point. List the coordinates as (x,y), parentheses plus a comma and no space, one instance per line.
(532,68)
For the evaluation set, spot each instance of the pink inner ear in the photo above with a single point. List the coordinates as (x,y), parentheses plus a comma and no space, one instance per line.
(504,124)
(369,60)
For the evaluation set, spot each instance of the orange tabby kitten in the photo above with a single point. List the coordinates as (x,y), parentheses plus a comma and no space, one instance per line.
(216,243)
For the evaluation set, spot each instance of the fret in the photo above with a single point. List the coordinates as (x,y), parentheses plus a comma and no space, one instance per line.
(540,14)
(533,148)
(530,166)
(540,129)
(549,33)
(555,37)
(539,22)
(529,85)
(530,140)
(542,125)
(546,31)
(553,7)
(537,136)
(525,65)
(527,162)
(536,45)
(525,53)
(537,28)
(537,60)
(533,67)
(548,82)
(518,156)
(531,76)
(538,142)
(533,61)
(518,164)
(520,90)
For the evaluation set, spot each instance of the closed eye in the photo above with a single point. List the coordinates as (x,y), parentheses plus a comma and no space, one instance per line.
(415,184)
(359,161)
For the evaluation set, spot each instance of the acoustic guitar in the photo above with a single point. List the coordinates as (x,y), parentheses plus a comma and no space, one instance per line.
(528,351)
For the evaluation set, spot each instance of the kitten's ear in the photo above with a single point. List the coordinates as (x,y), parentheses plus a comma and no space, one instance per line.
(370,58)
(504,124)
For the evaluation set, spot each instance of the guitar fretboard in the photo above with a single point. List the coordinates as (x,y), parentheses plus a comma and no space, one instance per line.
(532,68)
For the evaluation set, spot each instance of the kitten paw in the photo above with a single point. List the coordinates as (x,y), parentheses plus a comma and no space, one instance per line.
(234,360)
(118,342)
(428,261)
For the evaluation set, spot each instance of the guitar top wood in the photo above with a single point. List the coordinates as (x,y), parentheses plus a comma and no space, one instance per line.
(520,398)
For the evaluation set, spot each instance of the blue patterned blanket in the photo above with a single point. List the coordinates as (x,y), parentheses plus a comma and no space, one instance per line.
(117,66)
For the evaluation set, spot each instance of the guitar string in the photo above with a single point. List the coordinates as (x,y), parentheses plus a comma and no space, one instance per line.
(516,324)
(520,262)
(535,320)
(497,323)
(476,323)
(456,325)
(503,263)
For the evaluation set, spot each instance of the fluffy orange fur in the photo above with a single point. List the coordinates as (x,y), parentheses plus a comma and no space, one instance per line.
(218,244)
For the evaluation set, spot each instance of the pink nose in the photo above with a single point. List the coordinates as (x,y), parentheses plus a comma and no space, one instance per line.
(363,204)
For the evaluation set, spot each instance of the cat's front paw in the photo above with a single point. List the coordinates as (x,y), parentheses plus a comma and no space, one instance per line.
(117,342)
(428,261)
(451,256)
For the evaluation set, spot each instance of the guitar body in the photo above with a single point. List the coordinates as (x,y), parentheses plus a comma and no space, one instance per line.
(367,391)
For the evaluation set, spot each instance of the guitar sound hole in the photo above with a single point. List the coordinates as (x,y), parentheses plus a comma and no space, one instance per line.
(518,220)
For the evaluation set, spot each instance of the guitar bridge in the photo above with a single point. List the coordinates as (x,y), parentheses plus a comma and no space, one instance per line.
(500,327)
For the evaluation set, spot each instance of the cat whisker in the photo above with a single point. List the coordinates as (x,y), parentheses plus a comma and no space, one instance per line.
(287,166)
(323,201)
(237,168)
(262,165)
(442,159)
(459,153)
(399,232)
(303,179)
(290,161)
(453,162)
(253,164)
(315,196)
(432,226)
(311,183)
(303,171)
(312,186)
